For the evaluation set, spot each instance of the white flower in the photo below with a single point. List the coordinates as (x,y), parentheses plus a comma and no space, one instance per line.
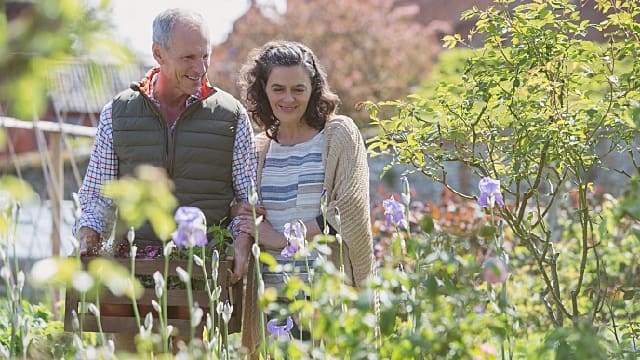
(82,281)
(42,271)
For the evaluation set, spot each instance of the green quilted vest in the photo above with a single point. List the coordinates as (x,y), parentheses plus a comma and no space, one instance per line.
(197,155)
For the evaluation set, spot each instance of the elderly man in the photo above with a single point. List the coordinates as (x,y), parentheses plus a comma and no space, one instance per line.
(173,119)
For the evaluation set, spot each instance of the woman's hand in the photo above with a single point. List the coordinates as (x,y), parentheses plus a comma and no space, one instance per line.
(267,235)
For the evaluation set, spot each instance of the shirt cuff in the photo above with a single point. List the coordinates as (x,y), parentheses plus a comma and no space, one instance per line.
(233,227)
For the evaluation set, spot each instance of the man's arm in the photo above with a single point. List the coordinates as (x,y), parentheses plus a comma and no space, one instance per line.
(244,168)
(92,225)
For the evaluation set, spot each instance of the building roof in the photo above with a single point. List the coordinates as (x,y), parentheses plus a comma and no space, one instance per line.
(85,88)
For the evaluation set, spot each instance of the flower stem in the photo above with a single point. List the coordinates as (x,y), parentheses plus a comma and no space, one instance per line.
(164,320)
(263,343)
(192,329)
(134,301)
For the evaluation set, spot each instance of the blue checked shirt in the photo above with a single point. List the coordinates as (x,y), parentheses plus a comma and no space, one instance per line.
(103,167)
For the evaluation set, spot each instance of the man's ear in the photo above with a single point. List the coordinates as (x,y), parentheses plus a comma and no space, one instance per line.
(157,52)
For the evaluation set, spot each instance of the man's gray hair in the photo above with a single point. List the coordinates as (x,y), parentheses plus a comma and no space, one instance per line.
(164,22)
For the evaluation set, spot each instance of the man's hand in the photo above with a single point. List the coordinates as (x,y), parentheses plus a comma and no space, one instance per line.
(243,208)
(241,249)
(90,242)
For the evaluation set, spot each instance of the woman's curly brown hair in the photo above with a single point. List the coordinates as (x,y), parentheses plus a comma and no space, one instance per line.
(255,73)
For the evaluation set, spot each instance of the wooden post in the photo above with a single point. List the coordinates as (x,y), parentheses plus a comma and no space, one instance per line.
(56,190)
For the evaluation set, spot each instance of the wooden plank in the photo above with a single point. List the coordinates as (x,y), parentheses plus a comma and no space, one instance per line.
(48,126)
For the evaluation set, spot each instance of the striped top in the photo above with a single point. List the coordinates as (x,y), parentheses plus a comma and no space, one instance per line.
(291,186)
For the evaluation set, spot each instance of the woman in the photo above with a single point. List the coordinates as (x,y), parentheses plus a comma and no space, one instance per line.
(305,148)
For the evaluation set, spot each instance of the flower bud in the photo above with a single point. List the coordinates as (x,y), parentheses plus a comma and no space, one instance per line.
(260,287)
(159,291)
(5,273)
(255,249)
(227,310)
(198,261)
(253,195)
(75,321)
(338,220)
(158,279)
(93,309)
(406,191)
(182,274)
(324,200)
(220,308)
(156,307)
(168,248)
(148,319)
(131,235)
(20,280)
(197,316)
(215,257)
(303,229)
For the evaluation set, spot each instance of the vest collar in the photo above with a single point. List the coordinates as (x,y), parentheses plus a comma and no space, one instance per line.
(145,85)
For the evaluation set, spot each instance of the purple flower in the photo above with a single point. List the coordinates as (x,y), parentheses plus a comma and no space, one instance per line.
(295,239)
(394,212)
(489,192)
(151,251)
(192,230)
(277,331)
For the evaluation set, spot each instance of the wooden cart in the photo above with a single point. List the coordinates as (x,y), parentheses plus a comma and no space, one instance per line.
(116,312)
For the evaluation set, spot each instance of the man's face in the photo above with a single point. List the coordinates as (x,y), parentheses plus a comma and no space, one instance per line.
(186,60)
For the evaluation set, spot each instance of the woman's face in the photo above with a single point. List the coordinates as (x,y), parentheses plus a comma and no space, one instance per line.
(288,89)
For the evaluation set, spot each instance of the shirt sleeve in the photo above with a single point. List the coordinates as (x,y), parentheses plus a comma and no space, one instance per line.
(244,164)
(103,167)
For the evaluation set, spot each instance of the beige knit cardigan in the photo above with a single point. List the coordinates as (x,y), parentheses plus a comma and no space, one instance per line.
(346,178)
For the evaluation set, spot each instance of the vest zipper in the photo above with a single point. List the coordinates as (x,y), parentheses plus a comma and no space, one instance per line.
(172,152)
(163,123)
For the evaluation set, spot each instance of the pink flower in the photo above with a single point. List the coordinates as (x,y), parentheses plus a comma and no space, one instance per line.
(494,271)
